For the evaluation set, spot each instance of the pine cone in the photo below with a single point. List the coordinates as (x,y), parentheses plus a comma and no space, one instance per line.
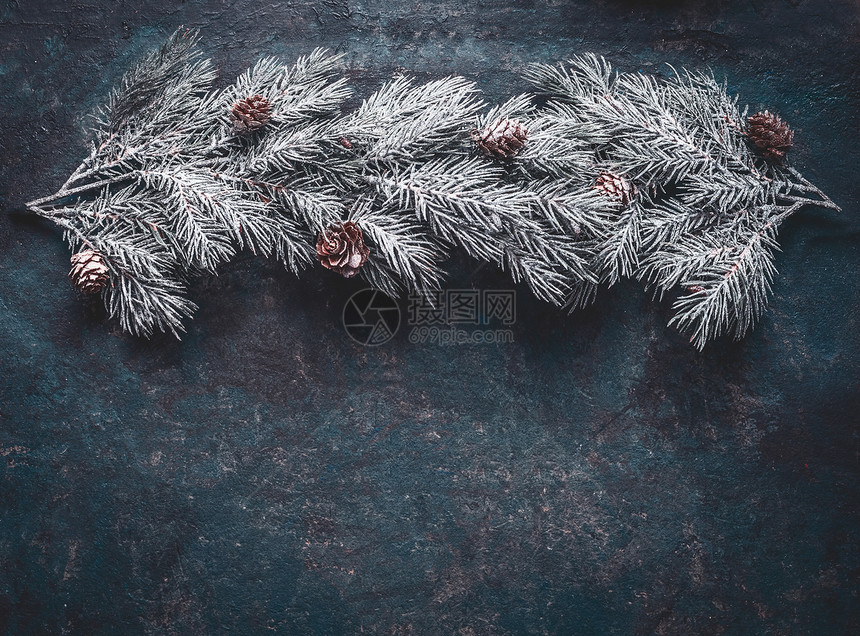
(89,272)
(250,114)
(770,134)
(341,248)
(502,139)
(616,187)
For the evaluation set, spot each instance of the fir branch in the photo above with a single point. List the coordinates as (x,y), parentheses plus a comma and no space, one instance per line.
(615,175)
(402,122)
(142,90)
(203,224)
(408,258)
(618,254)
(460,199)
(299,93)
(145,293)
(572,209)
(729,286)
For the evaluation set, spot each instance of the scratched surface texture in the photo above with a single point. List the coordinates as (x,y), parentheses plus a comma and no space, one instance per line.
(595,476)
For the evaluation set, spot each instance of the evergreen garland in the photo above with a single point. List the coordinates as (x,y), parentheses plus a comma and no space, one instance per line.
(614,175)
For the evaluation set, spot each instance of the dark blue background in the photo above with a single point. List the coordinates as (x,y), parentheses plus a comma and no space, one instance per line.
(596,476)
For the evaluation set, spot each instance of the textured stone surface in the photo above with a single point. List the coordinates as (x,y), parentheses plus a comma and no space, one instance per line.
(595,476)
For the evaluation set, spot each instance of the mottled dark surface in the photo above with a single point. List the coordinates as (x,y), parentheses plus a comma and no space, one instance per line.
(266,473)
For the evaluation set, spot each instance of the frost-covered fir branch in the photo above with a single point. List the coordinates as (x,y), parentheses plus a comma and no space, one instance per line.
(611,175)
(170,176)
(704,193)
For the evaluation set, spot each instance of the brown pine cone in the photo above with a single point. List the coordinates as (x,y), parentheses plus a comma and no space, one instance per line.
(770,134)
(616,187)
(250,114)
(89,271)
(341,248)
(502,139)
